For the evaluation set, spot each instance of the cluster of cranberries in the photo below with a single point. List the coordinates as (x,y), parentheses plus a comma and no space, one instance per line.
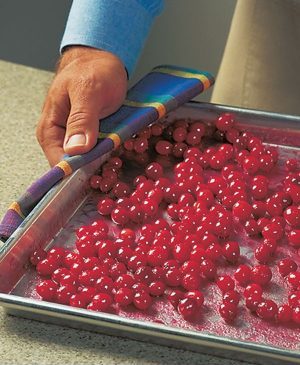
(179,227)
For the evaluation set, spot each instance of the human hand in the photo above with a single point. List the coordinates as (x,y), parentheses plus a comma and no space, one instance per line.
(90,84)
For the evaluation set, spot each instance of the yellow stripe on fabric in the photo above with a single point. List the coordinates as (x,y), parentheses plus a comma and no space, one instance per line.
(188,75)
(161,109)
(113,136)
(64,165)
(16,207)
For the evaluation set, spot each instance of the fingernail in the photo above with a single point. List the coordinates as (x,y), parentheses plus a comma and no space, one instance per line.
(76,140)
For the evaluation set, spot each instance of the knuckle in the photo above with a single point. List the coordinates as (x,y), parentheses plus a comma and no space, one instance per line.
(77,120)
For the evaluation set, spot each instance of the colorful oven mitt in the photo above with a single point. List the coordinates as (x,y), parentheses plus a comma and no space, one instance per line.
(162,90)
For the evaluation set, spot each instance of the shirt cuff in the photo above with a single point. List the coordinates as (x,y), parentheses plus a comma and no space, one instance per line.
(117,26)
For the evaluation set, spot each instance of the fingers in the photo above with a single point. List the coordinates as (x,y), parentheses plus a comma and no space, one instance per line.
(90,100)
(50,130)
(89,85)
(83,121)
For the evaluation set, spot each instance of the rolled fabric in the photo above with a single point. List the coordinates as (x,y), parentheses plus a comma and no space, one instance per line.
(164,89)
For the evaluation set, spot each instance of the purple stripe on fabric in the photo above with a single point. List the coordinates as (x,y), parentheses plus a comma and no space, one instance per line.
(10,223)
(39,188)
(103,146)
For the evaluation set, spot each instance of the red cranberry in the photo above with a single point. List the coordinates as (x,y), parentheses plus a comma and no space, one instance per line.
(173,277)
(163,147)
(263,253)
(228,311)
(251,165)
(105,206)
(274,207)
(110,174)
(291,165)
(272,231)
(286,266)
(261,274)
(87,293)
(214,251)
(260,187)
(296,315)
(243,275)
(115,162)
(232,134)
(149,207)
(47,289)
(154,171)
(294,299)
(124,281)
(64,293)
(208,269)
(266,163)
(179,149)
(38,256)
(179,134)
(137,260)
(191,281)
(294,238)
(232,297)
(251,227)
(86,278)
(123,296)
(60,273)
(139,180)
(259,209)
(225,122)
(78,300)
(128,145)
(71,258)
(120,216)
(101,302)
(100,227)
(197,296)
(294,191)
(69,279)
(262,223)
(267,309)
(292,216)
(174,296)
(293,279)
(284,313)
(253,301)
(187,307)
(253,290)
(86,249)
(225,283)
(242,210)
(156,129)
(95,181)
(140,145)
(181,251)
(156,195)
(57,254)
(231,251)
(193,138)
(46,267)
(142,300)
(157,288)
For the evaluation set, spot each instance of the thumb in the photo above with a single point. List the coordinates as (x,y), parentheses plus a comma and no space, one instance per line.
(82,128)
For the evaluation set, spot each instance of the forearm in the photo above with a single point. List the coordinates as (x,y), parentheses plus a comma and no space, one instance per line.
(119,27)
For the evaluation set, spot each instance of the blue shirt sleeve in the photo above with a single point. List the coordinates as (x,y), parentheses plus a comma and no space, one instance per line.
(118,26)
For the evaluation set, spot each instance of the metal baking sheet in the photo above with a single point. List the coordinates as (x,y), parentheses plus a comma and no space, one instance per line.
(72,203)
